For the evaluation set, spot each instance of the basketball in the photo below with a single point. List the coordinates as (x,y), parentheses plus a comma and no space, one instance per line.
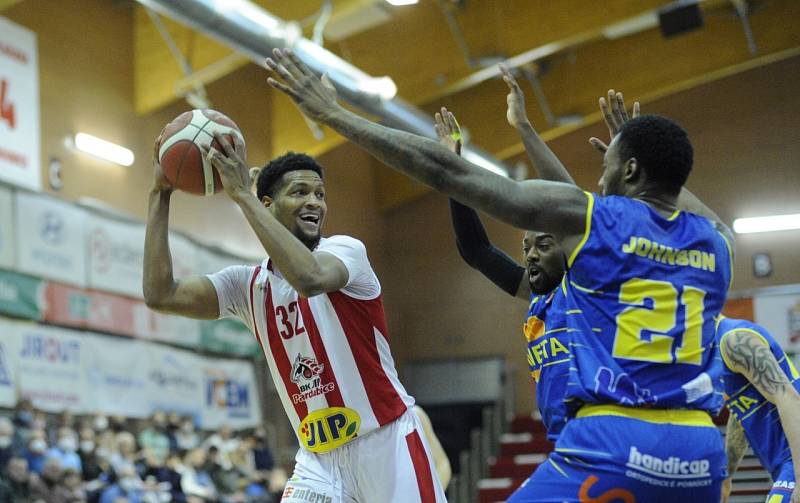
(179,152)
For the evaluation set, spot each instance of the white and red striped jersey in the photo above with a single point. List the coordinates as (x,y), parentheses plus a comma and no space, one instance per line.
(329,354)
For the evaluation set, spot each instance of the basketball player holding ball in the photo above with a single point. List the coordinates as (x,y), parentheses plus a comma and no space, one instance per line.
(314,305)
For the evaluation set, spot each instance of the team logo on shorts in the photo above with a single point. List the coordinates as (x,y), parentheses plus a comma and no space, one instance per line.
(326,429)
(307,374)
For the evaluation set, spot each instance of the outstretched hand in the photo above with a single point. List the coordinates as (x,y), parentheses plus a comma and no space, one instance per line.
(515,114)
(315,97)
(230,164)
(448,131)
(614,115)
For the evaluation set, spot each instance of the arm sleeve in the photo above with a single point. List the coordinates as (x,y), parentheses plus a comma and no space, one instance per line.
(477,251)
(362,283)
(233,292)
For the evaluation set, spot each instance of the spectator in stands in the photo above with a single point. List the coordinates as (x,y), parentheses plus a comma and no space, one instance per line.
(223,475)
(186,437)
(173,427)
(125,454)
(168,474)
(8,443)
(90,466)
(66,419)
(117,424)
(262,456)
(23,420)
(154,437)
(100,423)
(40,423)
(36,452)
(15,486)
(195,481)
(243,459)
(66,449)
(225,442)
(72,483)
(128,486)
(49,486)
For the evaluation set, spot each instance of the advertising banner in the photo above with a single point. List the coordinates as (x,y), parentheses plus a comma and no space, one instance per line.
(19,107)
(116,383)
(51,368)
(9,348)
(50,239)
(228,336)
(20,295)
(6,228)
(230,394)
(116,255)
(174,380)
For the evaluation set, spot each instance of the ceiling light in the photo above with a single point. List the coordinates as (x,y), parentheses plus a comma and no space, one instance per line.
(103,149)
(767,224)
(382,86)
(402,2)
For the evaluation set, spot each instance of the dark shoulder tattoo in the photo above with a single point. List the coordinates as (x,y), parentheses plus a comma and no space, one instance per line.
(750,357)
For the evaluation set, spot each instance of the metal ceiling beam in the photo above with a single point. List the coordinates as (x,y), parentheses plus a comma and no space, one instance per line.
(248,28)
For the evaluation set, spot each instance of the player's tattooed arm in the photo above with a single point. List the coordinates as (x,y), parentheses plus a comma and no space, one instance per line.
(746,352)
(552,207)
(193,296)
(735,447)
(543,159)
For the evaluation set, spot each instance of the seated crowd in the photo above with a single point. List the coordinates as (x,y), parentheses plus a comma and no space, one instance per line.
(100,459)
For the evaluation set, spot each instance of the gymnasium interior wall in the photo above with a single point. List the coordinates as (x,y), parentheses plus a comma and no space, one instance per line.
(744,129)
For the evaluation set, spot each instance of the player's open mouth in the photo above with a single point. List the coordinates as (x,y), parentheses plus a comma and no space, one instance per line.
(533,272)
(310,219)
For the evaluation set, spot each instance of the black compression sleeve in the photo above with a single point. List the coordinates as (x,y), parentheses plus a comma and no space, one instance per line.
(477,251)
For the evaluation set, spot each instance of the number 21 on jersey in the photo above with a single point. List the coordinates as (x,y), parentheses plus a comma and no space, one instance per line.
(653,306)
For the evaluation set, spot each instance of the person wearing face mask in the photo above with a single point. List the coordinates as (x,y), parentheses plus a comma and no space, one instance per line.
(91,469)
(186,437)
(66,450)
(7,445)
(128,487)
(100,423)
(36,452)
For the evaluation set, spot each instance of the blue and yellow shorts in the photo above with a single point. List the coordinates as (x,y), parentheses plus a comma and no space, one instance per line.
(615,454)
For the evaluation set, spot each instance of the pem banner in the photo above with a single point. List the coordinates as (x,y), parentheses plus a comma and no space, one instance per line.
(50,238)
(230,394)
(19,107)
(6,228)
(116,255)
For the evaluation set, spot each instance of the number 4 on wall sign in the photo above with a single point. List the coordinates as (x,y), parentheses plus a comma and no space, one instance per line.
(6,108)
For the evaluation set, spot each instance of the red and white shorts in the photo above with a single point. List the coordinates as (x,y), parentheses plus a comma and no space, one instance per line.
(390,465)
